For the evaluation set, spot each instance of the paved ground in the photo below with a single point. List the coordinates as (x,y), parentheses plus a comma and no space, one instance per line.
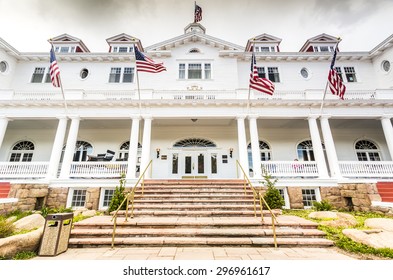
(199,253)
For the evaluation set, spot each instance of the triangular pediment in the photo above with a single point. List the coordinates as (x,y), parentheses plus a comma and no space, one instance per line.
(66,39)
(323,38)
(263,39)
(124,40)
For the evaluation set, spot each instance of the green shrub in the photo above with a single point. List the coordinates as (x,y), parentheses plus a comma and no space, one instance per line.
(272,196)
(19,214)
(118,195)
(45,210)
(324,205)
(24,255)
(6,228)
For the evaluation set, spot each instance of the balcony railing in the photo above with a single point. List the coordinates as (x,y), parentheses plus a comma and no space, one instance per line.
(98,169)
(366,169)
(305,169)
(190,95)
(14,170)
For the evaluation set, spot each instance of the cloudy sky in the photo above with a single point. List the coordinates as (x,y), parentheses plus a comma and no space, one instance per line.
(362,24)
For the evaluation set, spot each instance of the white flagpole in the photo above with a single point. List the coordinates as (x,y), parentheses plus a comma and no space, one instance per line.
(61,83)
(137,82)
(327,82)
(252,71)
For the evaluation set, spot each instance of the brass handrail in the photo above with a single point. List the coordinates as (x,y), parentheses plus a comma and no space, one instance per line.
(259,196)
(129,196)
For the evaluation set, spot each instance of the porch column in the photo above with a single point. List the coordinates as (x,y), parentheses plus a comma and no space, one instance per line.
(317,147)
(133,149)
(146,143)
(70,147)
(388,131)
(241,138)
(57,148)
(256,154)
(3,127)
(330,147)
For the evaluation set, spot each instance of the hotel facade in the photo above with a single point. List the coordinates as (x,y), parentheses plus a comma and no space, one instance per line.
(197,120)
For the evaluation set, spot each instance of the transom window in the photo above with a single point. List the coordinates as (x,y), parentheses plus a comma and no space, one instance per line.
(194,143)
(116,74)
(82,149)
(367,151)
(22,152)
(305,151)
(264,150)
(194,71)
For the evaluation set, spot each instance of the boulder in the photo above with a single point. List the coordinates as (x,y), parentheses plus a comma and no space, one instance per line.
(380,223)
(30,222)
(89,213)
(323,215)
(378,240)
(12,245)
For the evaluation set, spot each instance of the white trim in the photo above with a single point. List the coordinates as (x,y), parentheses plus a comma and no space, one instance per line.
(8,200)
(70,195)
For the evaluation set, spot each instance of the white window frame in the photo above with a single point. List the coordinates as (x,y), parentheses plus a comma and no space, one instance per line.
(318,48)
(102,196)
(70,196)
(266,72)
(128,49)
(350,73)
(287,204)
(317,196)
(121,75)
(65,49)
(46,76)
(203,71)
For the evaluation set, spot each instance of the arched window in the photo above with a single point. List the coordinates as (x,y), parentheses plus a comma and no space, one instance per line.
(367,151)
(305,151)
(22,151)
(82,149)
(264,150)
(124,150)
(194,143)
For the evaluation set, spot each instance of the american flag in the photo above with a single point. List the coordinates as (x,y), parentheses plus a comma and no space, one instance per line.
(335,83)
(257,83)
(198,13)
(145,64)
(54,69)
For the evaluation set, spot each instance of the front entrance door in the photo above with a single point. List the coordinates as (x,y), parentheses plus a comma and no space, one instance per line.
(195,164)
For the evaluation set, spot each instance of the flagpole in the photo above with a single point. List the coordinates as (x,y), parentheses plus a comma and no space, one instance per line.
(137,83)
(61,85)
(327,82)
(249,85)
(194,10)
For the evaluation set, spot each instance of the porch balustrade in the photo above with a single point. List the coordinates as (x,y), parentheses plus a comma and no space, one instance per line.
(366,169)
(305,169)
(190,95)
(15,170)
(98,169)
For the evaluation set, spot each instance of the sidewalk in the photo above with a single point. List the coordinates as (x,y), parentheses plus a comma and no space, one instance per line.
(199,253)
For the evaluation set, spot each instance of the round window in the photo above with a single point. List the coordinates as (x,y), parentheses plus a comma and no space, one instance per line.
(84,73)
(304,73)
(386,66)
(3,66)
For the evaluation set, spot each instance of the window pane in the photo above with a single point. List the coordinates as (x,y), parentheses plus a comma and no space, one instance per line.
(265,49)
(207,71)
(123,49)
(182,71)
(273,74)
(195,71)
(308,197)
(128,76)
(114,76)
(261,72)
(214,163)
(108,194)
(175,163)
(64,49)
(361,156)
(38,75)
(201,163)
(78,198)
(350,74)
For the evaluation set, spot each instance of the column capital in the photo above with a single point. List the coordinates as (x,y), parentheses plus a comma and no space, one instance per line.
(253,116)
(241,117)
(326,117)
(61,117)
(386,117)
(135,117)
(313,117)
(147,117)
(74,117)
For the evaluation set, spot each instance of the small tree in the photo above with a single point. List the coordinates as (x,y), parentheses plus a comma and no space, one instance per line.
(118,195)
(272,196)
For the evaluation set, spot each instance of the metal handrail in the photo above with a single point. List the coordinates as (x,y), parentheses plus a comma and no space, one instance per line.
(129,196)
(259,196)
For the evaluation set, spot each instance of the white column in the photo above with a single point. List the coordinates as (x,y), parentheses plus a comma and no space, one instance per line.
(133,149)
(146,143)
(330,148)
(388,131)
(57,148)
(256,154)
(317,147)
(70,147)
(3,127)
(241,138)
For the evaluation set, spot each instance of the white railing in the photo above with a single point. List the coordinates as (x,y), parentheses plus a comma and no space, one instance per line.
(102,169)
(23,169)
(291,168)
(109,95)
(366,169)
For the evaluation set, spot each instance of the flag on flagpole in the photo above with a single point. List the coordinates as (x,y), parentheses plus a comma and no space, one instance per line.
(54,69)
(198,13)
(145,64)
(257,83)
(336,85)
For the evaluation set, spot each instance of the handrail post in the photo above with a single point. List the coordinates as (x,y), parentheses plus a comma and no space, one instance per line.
(274,233)
(114,232)
(127,202)
(132,204)
(261,206)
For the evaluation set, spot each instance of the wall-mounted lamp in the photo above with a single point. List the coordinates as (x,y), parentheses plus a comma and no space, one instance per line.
(158,152)
(230,152)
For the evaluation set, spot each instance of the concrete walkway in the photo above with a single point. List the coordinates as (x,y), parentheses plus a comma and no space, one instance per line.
(199,253)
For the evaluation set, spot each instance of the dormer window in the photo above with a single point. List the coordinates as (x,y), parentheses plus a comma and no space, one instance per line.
(264,49)
(123,49)
(65,49)
(323,48)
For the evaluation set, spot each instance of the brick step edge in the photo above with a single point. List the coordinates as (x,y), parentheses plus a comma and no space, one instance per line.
(197,241)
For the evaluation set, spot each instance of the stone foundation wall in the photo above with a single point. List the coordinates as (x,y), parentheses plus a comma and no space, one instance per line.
(28,194)
(57,197)
(295,197)
(8,207)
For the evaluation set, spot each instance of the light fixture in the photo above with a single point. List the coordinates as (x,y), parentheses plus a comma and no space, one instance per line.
(194,120)
(158,152)
(230,152)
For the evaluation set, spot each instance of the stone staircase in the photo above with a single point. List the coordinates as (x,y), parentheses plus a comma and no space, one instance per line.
(196,213)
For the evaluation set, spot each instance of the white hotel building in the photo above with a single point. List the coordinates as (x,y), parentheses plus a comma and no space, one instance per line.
(195,120)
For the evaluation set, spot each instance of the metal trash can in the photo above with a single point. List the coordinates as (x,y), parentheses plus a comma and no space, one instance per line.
(56,234)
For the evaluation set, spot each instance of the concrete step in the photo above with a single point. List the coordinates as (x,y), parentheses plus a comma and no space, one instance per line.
(201,241)
(187,201)
(207,196)
(193,213)
(192,207)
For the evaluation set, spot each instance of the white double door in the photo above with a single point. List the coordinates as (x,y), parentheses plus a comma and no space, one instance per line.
(197,163)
